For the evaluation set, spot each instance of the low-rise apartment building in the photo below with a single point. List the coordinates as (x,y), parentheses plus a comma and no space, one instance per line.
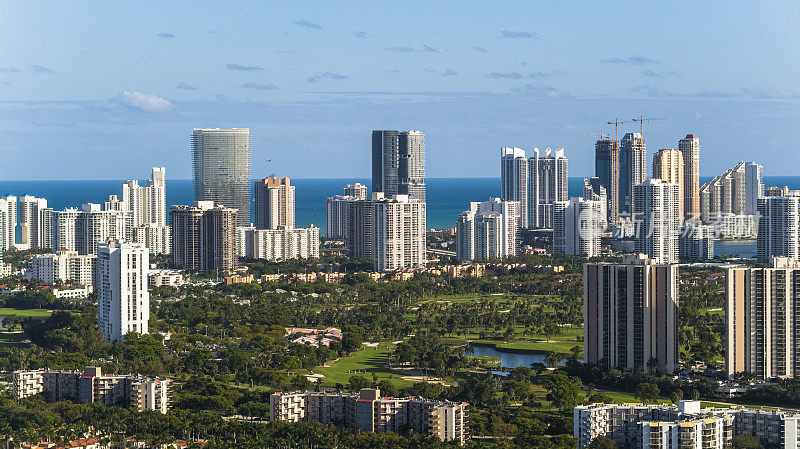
(686,425)
(157,278)
(368,411)
(90,385)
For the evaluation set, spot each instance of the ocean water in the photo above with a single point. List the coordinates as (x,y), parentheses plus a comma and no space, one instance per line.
(447,197)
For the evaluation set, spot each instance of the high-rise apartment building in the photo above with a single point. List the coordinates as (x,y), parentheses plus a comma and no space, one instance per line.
(337,211)
(398,233)
(593,190)
(356,190)
(668,167)
(35,221)
(776,191)
(762,325)
(547,176)
(606,168)
(754,187)
(8,222)
(577,226)
(81,230)
(386,161)
(734,192)
(778,227)
(278,244)
(632,168)
(388,231)
(514,179)
(696,241)
(274,198)
(123,301)
(157,239)
(64,266)
(398,163)
(337,217)
(489,229)
(412,164)
(689,147)
(630,314)
(657,220)
(221,164)
(360,235)
(147,204)
(204,237)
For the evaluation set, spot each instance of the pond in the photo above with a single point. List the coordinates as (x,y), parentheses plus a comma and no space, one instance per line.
(508,360)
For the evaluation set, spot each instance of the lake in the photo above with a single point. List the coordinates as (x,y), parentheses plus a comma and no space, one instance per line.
(508,360)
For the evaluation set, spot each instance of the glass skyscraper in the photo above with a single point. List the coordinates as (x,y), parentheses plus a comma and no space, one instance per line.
(606,167)
(398,163)
(221,162)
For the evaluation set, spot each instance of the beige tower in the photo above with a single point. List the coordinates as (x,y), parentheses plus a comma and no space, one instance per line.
(690,148)
(274,203)
(668,167)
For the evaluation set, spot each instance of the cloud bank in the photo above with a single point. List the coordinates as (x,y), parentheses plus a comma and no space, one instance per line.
(145,102)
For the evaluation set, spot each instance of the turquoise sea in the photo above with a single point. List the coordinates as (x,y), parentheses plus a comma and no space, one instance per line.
(447,197)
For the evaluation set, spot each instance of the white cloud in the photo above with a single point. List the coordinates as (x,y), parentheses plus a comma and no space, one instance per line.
(149,103)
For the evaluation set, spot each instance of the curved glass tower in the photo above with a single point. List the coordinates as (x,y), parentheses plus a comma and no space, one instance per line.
(221,162)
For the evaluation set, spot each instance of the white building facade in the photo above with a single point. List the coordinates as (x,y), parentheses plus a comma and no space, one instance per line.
(63,266)
(123,302)
(489,229)
(278,244)
(577,226)
(399,233)
(778,227)
(657,219)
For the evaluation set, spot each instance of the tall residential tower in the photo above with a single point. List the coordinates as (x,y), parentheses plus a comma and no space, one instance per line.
(123,301)
(632,168)
(689,147)
(606,168)
(274,198)
(547,176)
(668,167)
(221,162)
(398,163)
(514,179)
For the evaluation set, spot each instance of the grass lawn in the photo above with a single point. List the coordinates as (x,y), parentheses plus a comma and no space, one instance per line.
(712,311)
(562,343)
(625,398)
(368,360)
(39,313)
(11,338)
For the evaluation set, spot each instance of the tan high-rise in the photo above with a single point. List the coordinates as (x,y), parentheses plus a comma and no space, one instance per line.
(690,148)
(630,314)
(668,167)
(274,203)
(761,323)
(204,237)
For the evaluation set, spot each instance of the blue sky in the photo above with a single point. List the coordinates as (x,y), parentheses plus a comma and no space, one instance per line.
(104,90)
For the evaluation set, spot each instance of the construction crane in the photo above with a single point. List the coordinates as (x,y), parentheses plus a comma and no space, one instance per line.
(616,124)
(602,135)
(643,119)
